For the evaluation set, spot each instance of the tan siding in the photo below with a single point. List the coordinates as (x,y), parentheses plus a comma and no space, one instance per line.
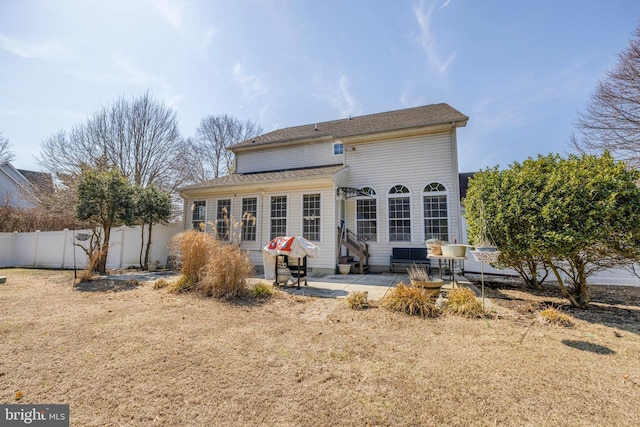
(410,161)
(295,156)
(413,162)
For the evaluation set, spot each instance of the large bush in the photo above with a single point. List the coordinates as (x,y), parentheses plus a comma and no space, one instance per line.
(577,215)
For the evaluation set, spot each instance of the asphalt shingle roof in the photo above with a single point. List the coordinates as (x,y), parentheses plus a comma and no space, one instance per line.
(360,125)
(266,177)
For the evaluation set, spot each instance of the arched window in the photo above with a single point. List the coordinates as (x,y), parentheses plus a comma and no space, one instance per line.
(435,210)
(399,199)
(367,215)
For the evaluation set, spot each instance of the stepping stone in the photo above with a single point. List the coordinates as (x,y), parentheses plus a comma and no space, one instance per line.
(3,279)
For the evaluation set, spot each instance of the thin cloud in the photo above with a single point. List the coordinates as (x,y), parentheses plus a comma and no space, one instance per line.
(208,35)
(531,96)
(45,49)
(251,85)
(408,99)
(344,101)
(135,75)
(338,94)
(427,39)
(172,11)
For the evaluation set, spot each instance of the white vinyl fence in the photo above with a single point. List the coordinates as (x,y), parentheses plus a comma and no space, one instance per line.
(57,249)
(617,276)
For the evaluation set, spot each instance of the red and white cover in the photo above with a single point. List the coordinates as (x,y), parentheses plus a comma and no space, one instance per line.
(293,246)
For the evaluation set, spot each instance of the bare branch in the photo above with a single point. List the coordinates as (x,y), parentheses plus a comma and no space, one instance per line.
(6,155)
(611,120)
(209,156)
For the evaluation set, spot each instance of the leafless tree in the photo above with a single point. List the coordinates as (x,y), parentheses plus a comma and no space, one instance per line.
(611,121)
(139,137)
(6,155)
(208,155)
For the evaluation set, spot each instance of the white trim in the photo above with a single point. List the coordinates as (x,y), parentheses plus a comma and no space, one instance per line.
(355,211)
(396,196)
(445,193)
(287,222)
(319,193)
(229,216)
(204,221)
(257,217)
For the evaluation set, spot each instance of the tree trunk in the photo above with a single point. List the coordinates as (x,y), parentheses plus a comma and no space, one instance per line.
(146,257)
(104,251)
(582,288)
(563,288)
(143,265)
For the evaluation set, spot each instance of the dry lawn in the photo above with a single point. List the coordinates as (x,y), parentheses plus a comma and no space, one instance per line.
(130,355)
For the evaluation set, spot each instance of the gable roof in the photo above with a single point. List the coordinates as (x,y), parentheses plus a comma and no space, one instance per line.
(407,118)
(40,180)
(266,177)
(463,179)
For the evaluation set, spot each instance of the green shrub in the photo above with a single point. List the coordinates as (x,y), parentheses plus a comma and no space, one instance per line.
(357,300)
(552,316)
(261,290)
(463,302)
(410,300)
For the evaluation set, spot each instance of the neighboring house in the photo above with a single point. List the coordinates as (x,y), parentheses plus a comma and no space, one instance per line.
(356,187)
(20,188)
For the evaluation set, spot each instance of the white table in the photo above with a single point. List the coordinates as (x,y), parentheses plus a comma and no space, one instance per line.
(450,260)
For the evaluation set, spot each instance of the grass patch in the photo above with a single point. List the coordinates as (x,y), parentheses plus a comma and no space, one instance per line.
(463,302)
(357,300)
(160,284)
(553,316)
(410,300)
(183,284)
(261,290)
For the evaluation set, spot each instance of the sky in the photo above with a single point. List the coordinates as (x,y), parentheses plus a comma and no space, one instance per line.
(520,69)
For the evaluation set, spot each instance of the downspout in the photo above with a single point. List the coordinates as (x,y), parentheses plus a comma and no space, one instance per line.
(184,216)
(260,223)
(456,185)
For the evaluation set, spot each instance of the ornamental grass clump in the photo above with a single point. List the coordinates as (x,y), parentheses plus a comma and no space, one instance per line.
(552,316)
(160,284)
(357,300)
(194,249)
(183,284)
(418,274)
(210,266)
(463,302)
(226,273)
(261,290)
(410,300)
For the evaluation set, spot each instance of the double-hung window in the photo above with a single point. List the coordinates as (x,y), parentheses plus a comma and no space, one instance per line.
(399,200)
(198,215)
(436,217)
(278,216)
(311,217)
(249,215)
(367,215)
(223,219)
